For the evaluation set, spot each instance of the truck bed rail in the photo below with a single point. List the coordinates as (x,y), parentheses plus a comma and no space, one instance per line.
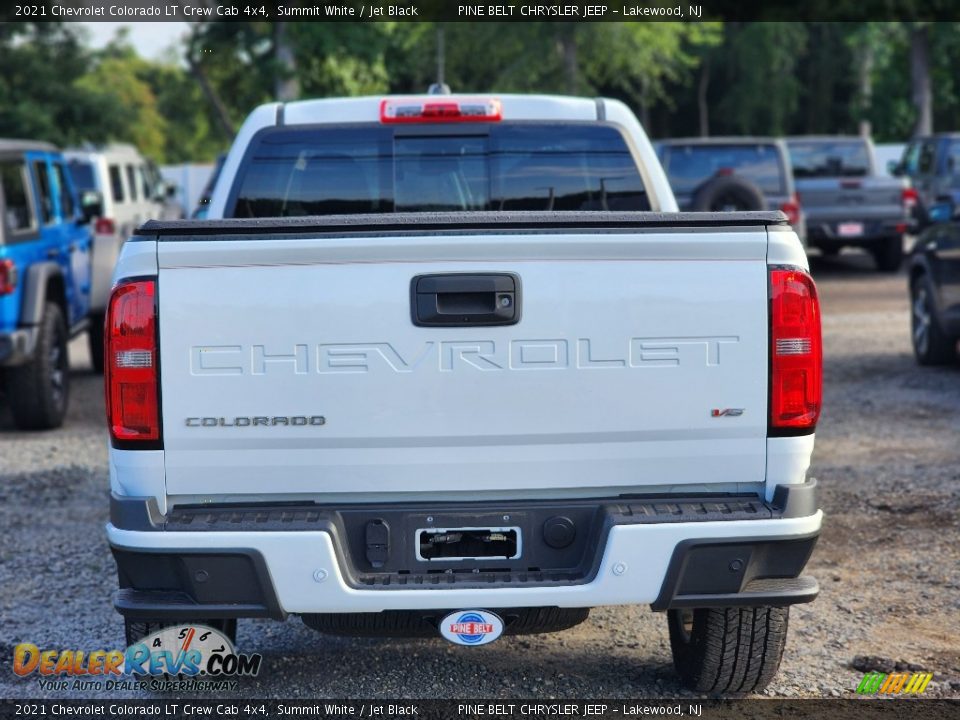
(492,221)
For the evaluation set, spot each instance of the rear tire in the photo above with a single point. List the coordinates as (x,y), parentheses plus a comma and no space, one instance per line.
(931,346)
(136,630)
(39,389)
(95,339)
(889,254)
(728,193)
(728,651)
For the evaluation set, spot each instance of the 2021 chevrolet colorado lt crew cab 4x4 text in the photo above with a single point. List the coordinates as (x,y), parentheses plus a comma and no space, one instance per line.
(456,365)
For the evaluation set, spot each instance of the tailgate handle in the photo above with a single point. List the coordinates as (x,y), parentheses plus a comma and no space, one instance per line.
(461,300)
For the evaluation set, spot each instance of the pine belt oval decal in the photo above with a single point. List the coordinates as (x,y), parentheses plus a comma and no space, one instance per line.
(471,627)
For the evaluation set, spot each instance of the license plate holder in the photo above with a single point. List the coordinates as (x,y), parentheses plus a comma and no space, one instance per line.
(850,229)
(452,544)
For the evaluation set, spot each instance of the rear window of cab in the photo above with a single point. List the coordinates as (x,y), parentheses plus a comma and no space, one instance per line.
(829,158)
(322,170)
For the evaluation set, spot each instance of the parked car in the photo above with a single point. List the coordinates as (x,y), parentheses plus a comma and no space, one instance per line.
(44,280)
(732,173)
(452,377)
(932,163)
(130,195)
(847,203)
(935,288)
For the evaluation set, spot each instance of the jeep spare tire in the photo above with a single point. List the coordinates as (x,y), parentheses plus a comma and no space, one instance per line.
(728,193)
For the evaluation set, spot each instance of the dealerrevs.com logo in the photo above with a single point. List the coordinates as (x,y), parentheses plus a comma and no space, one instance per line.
(199,657)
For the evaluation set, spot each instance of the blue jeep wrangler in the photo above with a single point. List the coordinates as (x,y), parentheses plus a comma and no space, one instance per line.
(44,280)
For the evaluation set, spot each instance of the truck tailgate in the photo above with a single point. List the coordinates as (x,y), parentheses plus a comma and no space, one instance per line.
(839,199)
(291,365)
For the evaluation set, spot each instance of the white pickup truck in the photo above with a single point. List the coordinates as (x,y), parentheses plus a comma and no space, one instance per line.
(456,366)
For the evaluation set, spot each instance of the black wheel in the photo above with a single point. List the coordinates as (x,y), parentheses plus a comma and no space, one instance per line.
(728,193)
(39,389)
(136,630)
(889,254)
(728,651)
(95,339)
(931,346)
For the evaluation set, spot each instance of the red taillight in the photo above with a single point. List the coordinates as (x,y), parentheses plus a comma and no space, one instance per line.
(130,362)
(418,110)
(909,198)
(8,276)
(104,226)
(791,209)
(796,359)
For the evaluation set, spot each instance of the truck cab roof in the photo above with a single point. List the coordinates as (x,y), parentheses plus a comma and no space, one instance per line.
(721,140)
(367,109)
(825,138)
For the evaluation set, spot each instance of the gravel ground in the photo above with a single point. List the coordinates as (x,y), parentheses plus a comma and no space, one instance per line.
(887,455)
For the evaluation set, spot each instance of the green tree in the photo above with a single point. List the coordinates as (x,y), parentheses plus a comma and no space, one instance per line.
(192,132)
(760,90)
(116,84)
(639,62)
(39,65)
(341,58)
(632,61)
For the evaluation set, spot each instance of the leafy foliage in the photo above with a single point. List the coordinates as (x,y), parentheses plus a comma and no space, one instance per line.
(39,65)
(732,78)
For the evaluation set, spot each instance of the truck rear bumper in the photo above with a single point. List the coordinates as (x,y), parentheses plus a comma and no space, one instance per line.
(211,573)
(873,231)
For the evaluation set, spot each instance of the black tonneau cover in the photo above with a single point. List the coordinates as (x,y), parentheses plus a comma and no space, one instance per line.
(492,221)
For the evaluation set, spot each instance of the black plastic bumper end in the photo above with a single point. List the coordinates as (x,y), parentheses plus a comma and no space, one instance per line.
(741,572)
(160,605)
(772,591)
(194,585)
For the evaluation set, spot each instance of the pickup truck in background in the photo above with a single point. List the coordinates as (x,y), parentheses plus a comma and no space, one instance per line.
(449,365)
(847,202)
(723,174)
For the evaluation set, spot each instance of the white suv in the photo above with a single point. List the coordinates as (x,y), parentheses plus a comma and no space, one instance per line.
(129,194)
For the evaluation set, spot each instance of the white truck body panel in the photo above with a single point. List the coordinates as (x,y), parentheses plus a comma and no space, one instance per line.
(627,342)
